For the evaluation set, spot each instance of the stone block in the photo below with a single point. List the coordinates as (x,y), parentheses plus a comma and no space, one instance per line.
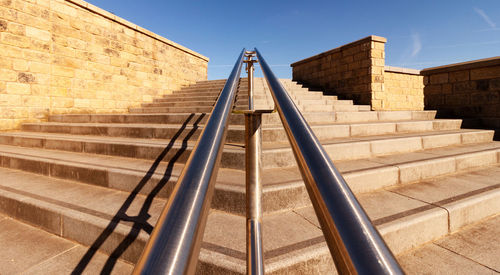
(485,73)
(14,40)
(439,78)
(18,88)
(38,34)
(459,76)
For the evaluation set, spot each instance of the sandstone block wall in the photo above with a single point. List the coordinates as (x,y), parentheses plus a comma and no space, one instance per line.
(62,56)
(465,90)
(353,71)
(403,89)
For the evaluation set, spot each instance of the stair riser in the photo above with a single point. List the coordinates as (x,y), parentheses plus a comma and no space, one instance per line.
(192,103)
(233,136)
(322,132)
(348,117)
(187,119)
(177,118)
(367,149)
(129,132)
(294,195)
(82,229)
(193,109)
(425,226)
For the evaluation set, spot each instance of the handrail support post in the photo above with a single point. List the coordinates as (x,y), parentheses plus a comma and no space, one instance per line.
(250,69)
(253,139)
(253,142)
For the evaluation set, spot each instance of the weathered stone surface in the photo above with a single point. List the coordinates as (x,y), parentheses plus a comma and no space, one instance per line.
(81,60)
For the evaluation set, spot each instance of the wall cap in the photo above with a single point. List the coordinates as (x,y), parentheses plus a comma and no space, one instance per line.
(360,41)
(478,63)
(401,70)
(131,25)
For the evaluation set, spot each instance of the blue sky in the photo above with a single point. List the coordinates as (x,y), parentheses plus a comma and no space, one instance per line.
(420,34)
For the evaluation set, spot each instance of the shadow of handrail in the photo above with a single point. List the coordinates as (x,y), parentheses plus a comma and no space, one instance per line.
(139,221)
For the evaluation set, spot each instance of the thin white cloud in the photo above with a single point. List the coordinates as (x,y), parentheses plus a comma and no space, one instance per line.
(485,17)
(464,45)
(417,44)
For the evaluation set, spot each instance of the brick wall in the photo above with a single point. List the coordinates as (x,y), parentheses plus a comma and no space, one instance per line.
(465,90)
(61,56)
(353,71)
(403,89)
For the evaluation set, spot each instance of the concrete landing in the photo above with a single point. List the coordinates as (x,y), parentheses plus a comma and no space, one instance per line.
(473,250)
(29,250)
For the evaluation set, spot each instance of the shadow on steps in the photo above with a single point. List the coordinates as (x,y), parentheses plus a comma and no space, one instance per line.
(139,221)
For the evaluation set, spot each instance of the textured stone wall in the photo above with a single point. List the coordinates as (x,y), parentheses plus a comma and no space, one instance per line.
(403,89)
(353,71)
(60,56)
(465,90)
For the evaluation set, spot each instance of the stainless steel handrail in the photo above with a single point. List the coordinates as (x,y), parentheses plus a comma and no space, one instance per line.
(174,245)
(355,244)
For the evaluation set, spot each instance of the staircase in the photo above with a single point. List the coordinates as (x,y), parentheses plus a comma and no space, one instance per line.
(91,187)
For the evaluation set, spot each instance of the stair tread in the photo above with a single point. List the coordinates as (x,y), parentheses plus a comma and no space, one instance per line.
(398,203)
(470,250)
(266,126)
(31,250)
(89,160)
(326,142)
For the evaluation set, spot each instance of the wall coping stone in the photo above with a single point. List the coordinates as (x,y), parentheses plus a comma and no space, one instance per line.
(401,70)
(360,41)
(133,26)
(478,63)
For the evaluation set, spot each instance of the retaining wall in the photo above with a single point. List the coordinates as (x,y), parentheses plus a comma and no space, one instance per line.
(61,56)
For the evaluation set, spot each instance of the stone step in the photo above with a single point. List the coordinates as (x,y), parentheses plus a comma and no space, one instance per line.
(48,253)
(171,118)
(191,109)
(171,98)
(175,103)
(468,251)
(94,216)
(406,217)
(364,108)
(274,155)
(328,108)
(193,94)
(280,155)
(39,134)
(283,187)
(180,118)
(346,117)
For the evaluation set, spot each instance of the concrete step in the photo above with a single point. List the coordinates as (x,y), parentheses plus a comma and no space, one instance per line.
(328,108)
(180,118)
(171,98)
(406,216)
(276,155)
(364,108)
(468,251)
(191,109)
(90,215)
(175,103)
(171,118)
(39,134)
(283,187)
(96,137)
(48,253)
(346,117)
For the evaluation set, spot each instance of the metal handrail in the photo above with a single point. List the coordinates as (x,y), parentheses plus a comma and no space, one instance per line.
(355,244)
(174,245)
